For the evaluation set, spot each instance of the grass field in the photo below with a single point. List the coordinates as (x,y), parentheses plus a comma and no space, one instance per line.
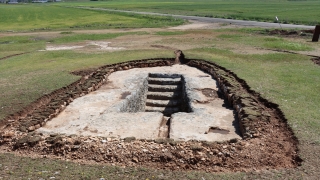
(294,11)
(290,80)
(30,17)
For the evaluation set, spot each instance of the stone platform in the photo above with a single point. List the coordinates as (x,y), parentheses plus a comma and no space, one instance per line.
(117,109)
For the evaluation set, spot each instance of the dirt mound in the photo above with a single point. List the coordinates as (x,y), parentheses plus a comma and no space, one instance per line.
(268,142)
(316,60)
(290,32)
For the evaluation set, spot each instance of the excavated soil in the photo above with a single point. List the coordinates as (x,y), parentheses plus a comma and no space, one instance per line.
(291,32)
(267,141)
(316,60)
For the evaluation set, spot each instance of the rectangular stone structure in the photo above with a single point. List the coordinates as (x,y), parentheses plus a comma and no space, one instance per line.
(140,125)
(195,126)
(316,34)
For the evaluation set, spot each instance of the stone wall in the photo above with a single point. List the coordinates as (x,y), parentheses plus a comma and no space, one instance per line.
(135,102)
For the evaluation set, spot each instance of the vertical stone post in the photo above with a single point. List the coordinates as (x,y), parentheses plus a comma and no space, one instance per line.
(179,57)
(316,34)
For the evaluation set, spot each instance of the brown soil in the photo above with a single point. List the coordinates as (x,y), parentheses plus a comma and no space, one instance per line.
(316,60)
(210,93)
(268,142)
(83,72)
(290,32)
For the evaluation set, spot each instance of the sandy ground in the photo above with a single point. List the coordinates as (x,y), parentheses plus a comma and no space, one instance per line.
(98,45)
(98,113)
(202,25)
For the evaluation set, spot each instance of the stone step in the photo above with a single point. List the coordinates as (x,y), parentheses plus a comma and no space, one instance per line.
(164,110)
(163,103)
(164,75)
(163,95)
(164,81)
(164,88)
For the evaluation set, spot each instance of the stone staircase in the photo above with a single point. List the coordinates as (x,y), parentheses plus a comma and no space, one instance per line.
(164,94)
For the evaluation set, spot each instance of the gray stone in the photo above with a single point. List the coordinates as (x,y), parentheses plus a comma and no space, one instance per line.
(115,110)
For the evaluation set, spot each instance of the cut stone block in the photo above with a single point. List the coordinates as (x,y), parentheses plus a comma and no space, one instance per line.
(140,125)
(211,122)
(103,112)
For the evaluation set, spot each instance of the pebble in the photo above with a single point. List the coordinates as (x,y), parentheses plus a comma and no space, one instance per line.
(9,134)
(145,150)
(103,141)
(31,128)
(200,153)
(135,159)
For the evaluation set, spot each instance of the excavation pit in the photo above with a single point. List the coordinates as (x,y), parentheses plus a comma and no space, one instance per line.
(176,102)
(167,94)
(104,121)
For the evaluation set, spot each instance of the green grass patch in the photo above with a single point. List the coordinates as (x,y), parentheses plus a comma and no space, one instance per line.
(13,167)
(272,39)
(19,44)
(17,39)
(37,17)
(291,46)
(264,42)
(231,36)
(170,33)
(298,12)
(280,43)
(92,37)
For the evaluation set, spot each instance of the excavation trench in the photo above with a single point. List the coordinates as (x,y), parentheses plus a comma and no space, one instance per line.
(132,127)
(149,103)
(164,93)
